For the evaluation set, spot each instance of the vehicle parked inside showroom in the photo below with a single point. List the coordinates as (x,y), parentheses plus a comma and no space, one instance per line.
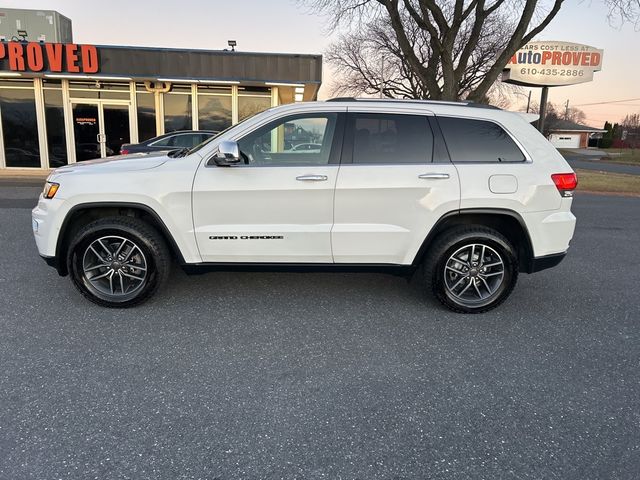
(169,141)
(466,195)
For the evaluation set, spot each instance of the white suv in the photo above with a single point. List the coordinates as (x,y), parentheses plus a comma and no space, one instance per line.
(469,195)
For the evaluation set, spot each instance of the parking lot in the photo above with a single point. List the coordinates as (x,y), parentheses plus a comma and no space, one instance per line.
(336,376)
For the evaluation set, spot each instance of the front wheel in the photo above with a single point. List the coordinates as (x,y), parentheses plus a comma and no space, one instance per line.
(471,269)
(118,261)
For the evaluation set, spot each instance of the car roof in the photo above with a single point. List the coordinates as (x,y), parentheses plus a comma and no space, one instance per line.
(411,100)
(416,107)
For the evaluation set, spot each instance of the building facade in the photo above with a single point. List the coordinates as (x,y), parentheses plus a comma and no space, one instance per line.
(64,103)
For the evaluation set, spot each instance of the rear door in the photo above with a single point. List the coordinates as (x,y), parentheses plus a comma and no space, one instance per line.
(395,182)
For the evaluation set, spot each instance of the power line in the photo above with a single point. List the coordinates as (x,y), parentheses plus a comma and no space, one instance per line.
(605,103)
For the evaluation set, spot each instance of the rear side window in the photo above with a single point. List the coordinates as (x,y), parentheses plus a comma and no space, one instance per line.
(391,139)
(478,141)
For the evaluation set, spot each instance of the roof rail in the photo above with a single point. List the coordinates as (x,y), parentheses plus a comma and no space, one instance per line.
(464,103)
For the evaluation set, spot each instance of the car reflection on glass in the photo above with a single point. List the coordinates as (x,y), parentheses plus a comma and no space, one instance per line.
(21,157)
(307,147)
(169,141)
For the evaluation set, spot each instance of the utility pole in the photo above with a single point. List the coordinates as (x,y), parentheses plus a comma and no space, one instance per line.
(566,110)
(543,108)
(529,101)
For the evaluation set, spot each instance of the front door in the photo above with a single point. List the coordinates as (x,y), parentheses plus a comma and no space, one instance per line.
(278,206)
(99,129)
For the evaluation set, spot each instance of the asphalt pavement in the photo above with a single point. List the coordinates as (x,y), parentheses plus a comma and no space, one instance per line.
(324,376)
(591,163)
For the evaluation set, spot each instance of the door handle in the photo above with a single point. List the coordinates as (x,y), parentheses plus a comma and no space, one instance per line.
(312,178)
(434,176)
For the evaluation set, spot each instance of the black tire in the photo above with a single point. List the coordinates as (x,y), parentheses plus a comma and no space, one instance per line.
(442,264)
(149,260)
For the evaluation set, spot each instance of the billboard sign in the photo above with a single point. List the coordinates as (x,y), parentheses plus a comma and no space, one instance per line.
(553,64)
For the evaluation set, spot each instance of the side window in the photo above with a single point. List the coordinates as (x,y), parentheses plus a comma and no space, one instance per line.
(471,140)
(391,139)
(165,142)
(296,140)
(185,140)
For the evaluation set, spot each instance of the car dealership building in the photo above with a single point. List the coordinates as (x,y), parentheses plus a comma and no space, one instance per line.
(62,102)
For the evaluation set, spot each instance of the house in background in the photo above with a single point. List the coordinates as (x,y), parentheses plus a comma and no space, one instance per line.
(568,134)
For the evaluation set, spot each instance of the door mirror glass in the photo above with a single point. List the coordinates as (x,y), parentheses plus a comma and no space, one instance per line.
(228,154)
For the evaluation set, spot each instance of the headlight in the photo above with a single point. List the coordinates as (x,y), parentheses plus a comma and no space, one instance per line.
(50,189)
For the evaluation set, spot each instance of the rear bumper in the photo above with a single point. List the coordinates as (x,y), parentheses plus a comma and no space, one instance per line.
(548,261)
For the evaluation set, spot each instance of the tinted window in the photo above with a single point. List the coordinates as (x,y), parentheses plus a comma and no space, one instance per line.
(287,141)
(186,140)
(389,139)
(18,107)
(478,141)
(165,142)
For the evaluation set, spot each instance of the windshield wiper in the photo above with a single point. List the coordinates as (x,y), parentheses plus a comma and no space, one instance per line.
(180,152)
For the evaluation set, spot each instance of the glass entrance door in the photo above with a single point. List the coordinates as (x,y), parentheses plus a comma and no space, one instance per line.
(86,131)
(99,129)
(116,127)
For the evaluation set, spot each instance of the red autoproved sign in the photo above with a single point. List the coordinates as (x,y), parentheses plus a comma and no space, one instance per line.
(50,57)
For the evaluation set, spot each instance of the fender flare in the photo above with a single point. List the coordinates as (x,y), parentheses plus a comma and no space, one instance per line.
(164,230)
(437,229)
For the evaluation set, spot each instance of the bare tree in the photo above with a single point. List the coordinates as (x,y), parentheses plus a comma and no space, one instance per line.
(632,121)
(370,61)
(447,46)
(624,11)
(439,49)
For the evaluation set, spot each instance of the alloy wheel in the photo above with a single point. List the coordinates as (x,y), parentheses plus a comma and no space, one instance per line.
(474,273)
(114,266)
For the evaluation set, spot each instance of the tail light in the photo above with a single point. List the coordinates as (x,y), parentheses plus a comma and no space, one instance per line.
(124,151)
(566,183)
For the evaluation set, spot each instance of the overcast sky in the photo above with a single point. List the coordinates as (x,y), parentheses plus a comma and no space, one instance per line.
(284,26)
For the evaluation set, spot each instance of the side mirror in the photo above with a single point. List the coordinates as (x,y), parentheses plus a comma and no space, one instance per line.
(228,154)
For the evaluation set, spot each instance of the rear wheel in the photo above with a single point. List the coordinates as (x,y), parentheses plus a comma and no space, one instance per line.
(471,269)
(118,261)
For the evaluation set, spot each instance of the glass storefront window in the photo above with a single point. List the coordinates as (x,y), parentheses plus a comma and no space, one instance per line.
(19,125)
(177,109)
(101,90)
(146,115)
(54,118)
(252,100)
(214,108)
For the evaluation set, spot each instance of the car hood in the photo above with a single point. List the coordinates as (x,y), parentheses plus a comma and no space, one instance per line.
(117,163)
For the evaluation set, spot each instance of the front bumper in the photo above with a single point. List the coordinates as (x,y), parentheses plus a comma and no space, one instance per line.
(55,263)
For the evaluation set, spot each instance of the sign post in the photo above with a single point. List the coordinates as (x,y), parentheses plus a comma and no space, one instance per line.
(552,64)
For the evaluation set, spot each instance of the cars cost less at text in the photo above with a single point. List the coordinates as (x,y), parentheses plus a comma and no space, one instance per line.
(469,196)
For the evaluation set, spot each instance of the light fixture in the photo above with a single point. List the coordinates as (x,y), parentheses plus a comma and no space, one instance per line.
(283,84)
(215,82)
(178,80)
(10,74)
(85,77)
